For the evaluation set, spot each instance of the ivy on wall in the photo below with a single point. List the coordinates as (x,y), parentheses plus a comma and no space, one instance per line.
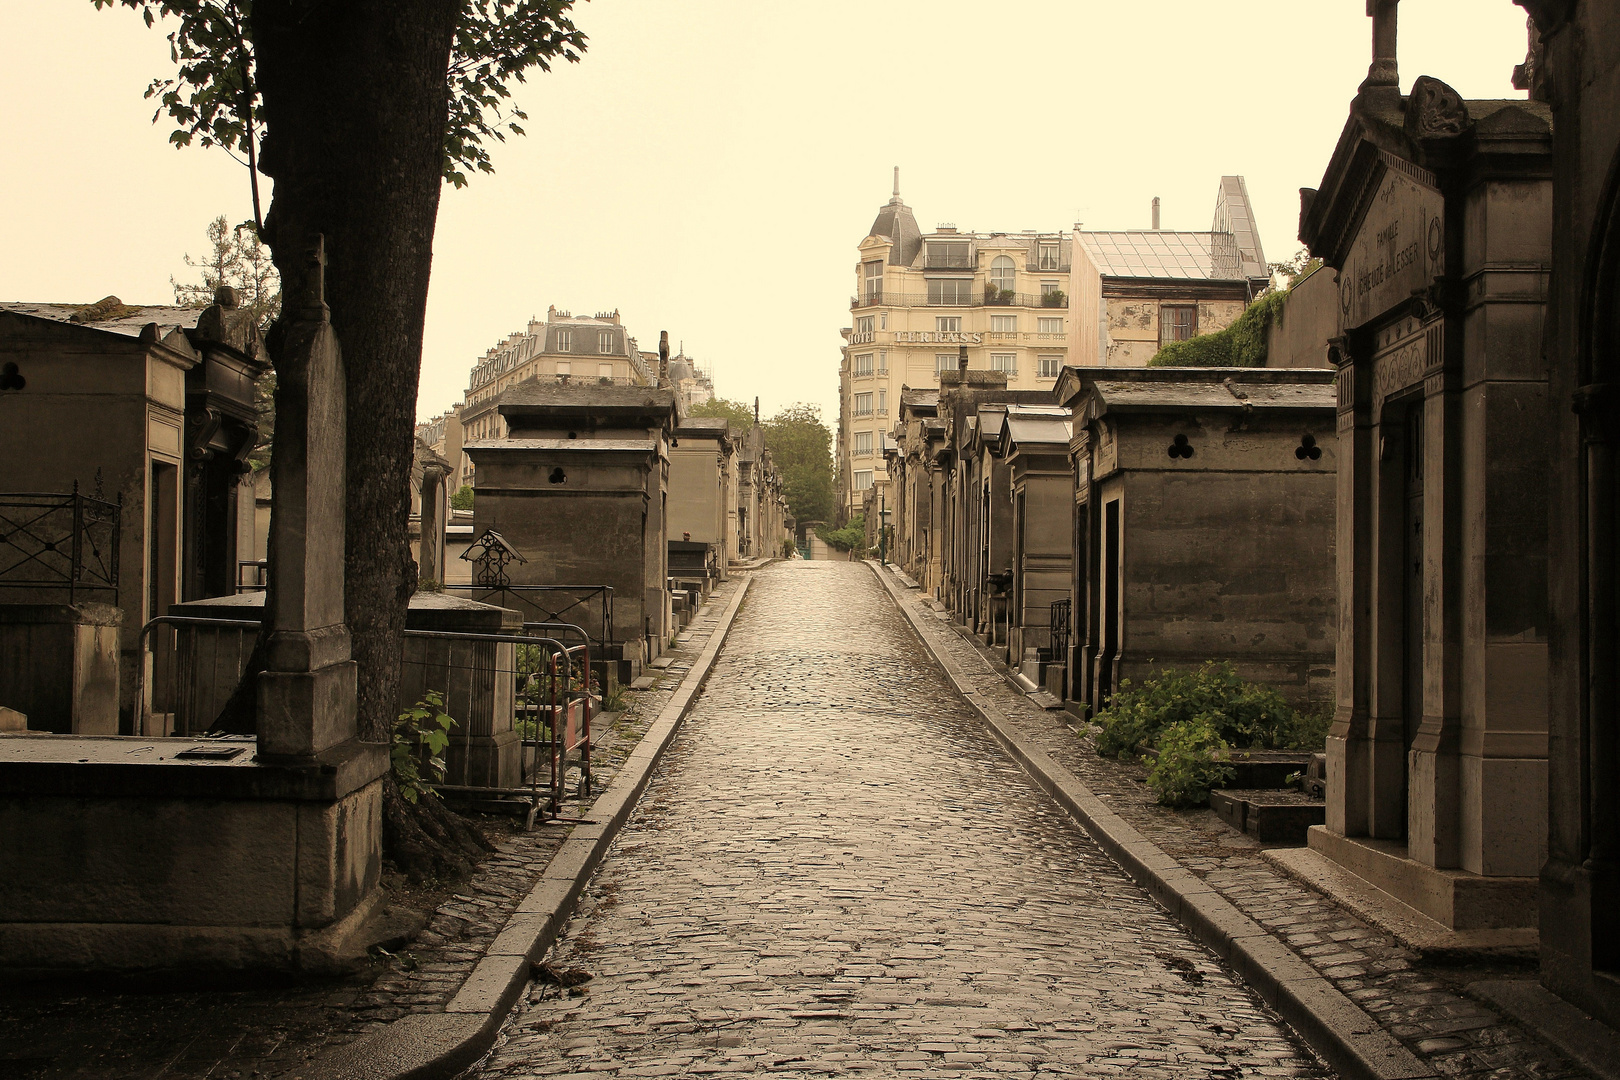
(1243,344)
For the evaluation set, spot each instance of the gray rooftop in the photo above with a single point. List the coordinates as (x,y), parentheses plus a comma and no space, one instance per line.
(115,317)
(1162,253)
(1233,394)
(1032,429)
(587,393)
(644,446)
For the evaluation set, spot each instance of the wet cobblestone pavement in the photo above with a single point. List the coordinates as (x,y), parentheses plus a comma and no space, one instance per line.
(96,1031)
(1424,1005)
(837,870)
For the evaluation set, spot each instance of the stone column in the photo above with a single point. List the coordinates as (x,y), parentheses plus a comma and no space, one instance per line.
(1348,757)
(430,545)
(1433,816)
(307,692)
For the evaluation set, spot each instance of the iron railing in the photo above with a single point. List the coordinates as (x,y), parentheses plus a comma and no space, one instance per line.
(552,604)
(972,298)
(57,540)
(1060,631)
(538,686)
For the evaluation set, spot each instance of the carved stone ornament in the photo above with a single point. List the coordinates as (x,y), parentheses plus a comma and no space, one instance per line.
(228,323)
(1435,111)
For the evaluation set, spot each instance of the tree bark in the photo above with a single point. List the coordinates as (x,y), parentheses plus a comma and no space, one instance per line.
(356,105)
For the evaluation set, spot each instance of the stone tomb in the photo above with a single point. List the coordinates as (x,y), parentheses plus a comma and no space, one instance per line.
(1203,502)
(702,518)
(143,854)
(169,394)
(580,490)
(474,677)
(1034,442)
(1436,213)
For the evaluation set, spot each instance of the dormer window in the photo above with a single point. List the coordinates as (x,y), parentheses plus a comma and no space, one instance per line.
(565,341)
(604,341)
(1047,256)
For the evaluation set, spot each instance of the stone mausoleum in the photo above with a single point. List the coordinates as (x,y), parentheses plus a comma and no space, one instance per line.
(1203,509)
(1436,213)
(579,490)
(139,421)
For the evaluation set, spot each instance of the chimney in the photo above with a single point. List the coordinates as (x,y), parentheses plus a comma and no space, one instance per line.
(1155,213)
(663,357)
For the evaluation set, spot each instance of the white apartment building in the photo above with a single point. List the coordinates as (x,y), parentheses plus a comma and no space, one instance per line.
(1024,303)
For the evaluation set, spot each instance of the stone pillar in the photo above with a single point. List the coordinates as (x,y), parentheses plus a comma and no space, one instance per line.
(1348,751)
(1433,811)
(307,692)
(430,545)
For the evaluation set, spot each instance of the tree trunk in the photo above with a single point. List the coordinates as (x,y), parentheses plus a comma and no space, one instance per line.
(356,105)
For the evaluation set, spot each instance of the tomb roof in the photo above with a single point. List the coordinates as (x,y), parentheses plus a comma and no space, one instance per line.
(716,424)
(112,315)
(1219,395)
(1028,430)
(642,446)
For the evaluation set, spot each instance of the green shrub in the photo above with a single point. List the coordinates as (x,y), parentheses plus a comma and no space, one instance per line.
(1191,760)
(421,732)
(463,498)
(1190,718)
(851,537)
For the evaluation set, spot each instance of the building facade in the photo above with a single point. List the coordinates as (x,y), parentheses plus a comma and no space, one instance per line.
(1024,304)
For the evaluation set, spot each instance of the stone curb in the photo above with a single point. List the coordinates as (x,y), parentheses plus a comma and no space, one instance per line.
(429,1046)
(1337,1028)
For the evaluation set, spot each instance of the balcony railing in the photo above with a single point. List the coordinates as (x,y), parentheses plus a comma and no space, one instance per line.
(1021,337)
(972,299)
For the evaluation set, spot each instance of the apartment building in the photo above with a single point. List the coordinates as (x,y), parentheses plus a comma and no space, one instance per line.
(1024,304)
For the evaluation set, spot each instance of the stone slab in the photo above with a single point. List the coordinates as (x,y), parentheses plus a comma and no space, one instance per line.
(1455,898)
(1344,1034)
(1408,925)
(1590,1042)
(427,1046)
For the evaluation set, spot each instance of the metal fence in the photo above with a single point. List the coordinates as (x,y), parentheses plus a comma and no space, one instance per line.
(60,540)
(535,684)
(580,605)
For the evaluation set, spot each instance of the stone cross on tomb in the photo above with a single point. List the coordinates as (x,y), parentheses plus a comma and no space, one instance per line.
(1383,71)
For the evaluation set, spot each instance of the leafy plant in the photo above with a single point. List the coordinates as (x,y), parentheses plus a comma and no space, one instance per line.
(1192,759)
(851,537)
(463,498)
(1191,719)
(1055,298)
(422,731)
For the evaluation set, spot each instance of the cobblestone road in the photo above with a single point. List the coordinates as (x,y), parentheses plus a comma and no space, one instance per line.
(837,869)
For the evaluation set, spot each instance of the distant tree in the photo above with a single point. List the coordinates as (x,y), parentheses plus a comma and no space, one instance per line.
(740,415)
(1285,274)
(463,498)
(238,258)
(801,446)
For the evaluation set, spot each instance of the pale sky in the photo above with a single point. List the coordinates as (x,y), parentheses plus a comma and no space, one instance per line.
(709,167)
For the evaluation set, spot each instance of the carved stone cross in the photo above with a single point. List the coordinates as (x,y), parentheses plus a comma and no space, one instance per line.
(1383,71)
